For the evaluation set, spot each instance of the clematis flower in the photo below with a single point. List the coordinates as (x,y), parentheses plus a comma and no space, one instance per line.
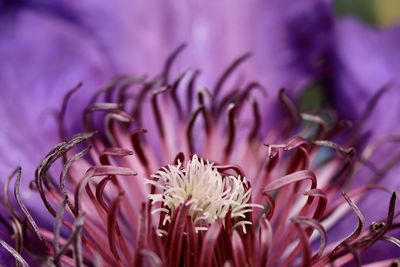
(48,46)
(191,178)
(183,175)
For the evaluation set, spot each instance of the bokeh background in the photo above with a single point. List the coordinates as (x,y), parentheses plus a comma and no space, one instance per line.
(376,12)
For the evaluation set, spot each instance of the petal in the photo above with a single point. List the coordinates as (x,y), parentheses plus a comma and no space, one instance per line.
(368,59)
(286,37)
(42,58)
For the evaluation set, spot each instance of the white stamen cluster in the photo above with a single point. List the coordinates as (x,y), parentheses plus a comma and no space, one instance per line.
(211,195)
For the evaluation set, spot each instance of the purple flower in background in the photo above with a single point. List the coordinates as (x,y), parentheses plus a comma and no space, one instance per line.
(190,165)
(365,90)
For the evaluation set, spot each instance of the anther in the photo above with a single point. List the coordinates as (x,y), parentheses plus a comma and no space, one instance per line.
(377,226)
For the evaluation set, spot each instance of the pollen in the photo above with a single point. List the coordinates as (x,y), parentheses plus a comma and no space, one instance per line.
(211,196)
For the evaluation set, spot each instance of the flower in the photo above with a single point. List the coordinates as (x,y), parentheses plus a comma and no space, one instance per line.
(104,215)
(92,42)
(191,179)
(46,47)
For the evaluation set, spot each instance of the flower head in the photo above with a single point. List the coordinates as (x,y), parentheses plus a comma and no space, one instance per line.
(179,176)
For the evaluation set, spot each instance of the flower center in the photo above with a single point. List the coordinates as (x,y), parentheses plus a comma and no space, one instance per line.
(210,195)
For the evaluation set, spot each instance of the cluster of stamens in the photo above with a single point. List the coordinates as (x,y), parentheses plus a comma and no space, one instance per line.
(201,210)
(210,195)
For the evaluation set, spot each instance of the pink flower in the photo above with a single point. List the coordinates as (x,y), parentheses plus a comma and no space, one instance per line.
(195,178)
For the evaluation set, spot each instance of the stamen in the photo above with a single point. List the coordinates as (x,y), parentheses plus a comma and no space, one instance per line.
(57,227)
(190,89)
(105,90)
(110,119)
(99,192)
(15,254)
(170,60)
(314,224)
(314,119)
(344,151)
(179,158)
(228,71)
(64,174)
(231,129)
(369,109)
(231,97)
(23,207)
(18,236)
(356,232)
(137,146)
(6,194)
(127,83)
(290,106)
(206,113)
(112,224)
(57,152)
(76,231)
(175,98)
(202,188)
(156,110)
(63,110)
(256,121)
(392,240)
(96,107)
(189,131)
(137,108)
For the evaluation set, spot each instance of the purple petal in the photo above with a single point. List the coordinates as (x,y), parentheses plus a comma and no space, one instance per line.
(367,60)
(286,37)
(42,58)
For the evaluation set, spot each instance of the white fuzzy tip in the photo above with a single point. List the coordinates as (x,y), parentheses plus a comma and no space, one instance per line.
(212,195)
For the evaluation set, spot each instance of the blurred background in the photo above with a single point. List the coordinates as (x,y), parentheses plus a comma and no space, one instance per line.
(375,12)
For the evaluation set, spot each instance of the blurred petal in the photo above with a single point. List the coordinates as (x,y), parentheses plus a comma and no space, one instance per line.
(85,41)
(287,38)
(42,57)
(367,60)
